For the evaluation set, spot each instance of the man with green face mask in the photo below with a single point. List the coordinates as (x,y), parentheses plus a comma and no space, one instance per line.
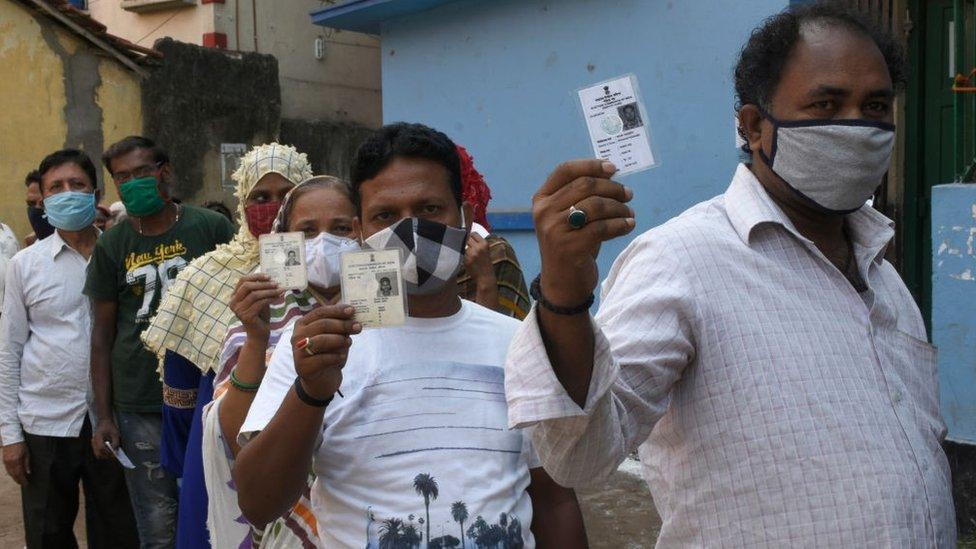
(133,264)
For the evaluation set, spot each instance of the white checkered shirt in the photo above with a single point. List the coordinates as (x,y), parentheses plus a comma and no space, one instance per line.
(773,405)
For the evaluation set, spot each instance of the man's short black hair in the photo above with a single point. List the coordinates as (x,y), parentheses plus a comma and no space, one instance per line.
(69,156)
(33,176)
(404,140)
(219,207)
(761,62)
(131,143)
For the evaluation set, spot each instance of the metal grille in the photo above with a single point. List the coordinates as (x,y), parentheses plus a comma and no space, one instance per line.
(892,15)
(885,12)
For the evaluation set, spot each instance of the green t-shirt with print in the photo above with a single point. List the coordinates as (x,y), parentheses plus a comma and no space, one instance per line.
(134,271)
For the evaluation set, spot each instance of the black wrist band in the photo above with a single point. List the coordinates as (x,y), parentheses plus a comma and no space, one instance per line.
(307,398)
(535,290)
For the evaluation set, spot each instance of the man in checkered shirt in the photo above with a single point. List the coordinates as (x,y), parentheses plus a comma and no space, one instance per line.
(768,363)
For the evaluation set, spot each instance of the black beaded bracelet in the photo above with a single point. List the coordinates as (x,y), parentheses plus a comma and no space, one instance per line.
(307,398)
(535,290)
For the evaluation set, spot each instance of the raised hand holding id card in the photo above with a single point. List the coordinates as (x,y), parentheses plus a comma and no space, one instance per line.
(372,283)
(617,123)
(283,259)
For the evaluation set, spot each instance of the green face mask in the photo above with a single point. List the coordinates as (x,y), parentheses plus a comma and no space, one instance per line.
(141,197)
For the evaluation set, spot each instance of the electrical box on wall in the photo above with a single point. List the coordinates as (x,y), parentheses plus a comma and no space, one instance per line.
(320,48)
(230,160)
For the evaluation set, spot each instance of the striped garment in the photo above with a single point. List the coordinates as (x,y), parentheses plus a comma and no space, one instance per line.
(227,526)
(513,294)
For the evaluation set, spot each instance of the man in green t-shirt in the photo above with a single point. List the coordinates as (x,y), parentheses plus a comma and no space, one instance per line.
(132,265)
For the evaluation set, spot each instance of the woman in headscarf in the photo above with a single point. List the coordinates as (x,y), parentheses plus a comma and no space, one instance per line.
(491,275)
(193,318)
(322,208)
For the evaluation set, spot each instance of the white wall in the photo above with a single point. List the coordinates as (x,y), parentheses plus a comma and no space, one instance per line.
(344,86)
(186,24)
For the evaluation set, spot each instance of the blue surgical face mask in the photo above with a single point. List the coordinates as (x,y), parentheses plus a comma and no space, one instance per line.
(70,210)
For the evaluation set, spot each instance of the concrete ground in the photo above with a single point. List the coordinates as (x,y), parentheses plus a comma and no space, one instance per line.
(619,515)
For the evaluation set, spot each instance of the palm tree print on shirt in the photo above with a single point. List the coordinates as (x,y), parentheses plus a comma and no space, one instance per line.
(460,513)
(397,533)
(426,486)
(507,534)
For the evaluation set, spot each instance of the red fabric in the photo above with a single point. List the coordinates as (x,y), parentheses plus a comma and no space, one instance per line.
(261,216)
(474,190)
(215,40)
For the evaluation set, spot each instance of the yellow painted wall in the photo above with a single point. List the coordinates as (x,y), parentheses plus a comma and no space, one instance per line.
(121,103)
(32,92)
(32,95)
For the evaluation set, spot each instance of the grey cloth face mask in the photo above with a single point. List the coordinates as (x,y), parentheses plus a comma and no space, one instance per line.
(836,164)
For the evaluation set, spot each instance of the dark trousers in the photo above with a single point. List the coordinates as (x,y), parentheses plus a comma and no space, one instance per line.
(50,498)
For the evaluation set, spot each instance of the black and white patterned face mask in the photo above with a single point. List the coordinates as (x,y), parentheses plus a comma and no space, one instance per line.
(431,251)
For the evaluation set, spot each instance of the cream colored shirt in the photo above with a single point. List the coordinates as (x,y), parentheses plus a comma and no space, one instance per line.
(45,342)
(772,405)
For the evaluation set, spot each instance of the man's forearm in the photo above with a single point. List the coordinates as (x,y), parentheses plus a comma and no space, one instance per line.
(569,343)
(10,428)
(102,387)
(102,340)
(557,520)
(486,295)
(271,471)
(101,377)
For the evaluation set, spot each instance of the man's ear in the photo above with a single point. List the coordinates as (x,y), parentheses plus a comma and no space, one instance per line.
(164,181)
(750,126)
(468,210)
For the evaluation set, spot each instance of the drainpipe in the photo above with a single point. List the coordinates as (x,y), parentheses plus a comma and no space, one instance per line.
(959,53)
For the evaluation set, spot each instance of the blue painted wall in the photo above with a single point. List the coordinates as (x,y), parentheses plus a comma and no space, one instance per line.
(499,77)
(954,304)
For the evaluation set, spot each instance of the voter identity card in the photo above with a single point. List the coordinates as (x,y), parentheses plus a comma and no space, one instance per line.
(372,283)
(617,122)
(283,259)
(120,455)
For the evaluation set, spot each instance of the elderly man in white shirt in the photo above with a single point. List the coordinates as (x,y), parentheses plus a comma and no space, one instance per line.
(45,334)
(769,364)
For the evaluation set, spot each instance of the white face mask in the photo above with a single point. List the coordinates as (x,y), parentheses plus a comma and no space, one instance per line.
(837,164)
(322,257)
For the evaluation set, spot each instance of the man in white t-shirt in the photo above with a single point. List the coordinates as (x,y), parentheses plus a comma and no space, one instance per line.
(416,449)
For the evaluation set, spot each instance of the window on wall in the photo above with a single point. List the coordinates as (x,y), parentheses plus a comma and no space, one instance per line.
(80,4)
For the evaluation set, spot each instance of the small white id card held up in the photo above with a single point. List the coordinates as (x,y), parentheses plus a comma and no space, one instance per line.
(372,283)
(283,259)
(617,122)
(120,455)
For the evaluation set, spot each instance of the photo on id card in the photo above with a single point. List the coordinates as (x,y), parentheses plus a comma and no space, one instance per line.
(283,259)
(372,283)
(617,123)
